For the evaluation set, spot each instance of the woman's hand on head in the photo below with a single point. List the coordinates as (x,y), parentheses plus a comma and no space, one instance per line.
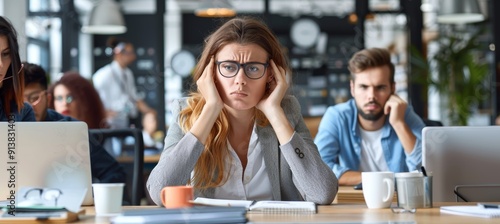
(207,88)
(277,90)
(213,104)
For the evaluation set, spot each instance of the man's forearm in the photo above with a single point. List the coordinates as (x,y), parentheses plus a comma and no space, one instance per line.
(143,107)
(350,178)
(406,137)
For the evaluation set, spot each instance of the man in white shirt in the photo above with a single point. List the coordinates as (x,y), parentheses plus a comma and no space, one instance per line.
(116,86)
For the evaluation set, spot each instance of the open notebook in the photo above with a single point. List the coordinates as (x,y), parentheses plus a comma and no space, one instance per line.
(296,207)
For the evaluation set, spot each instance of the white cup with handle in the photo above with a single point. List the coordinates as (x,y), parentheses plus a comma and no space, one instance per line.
(378,189)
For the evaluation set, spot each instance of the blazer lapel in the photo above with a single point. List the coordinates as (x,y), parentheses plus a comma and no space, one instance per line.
(269,145)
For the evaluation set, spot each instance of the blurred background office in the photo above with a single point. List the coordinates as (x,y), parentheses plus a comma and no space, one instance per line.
(319,35)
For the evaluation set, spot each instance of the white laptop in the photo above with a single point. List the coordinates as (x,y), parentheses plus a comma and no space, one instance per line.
(47,154)
(463,160)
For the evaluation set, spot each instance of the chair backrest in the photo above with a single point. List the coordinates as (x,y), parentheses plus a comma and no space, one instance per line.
(137,188)
(478,193)
(430,123)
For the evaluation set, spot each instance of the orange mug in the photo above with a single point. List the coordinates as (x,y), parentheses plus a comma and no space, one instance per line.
(176,196)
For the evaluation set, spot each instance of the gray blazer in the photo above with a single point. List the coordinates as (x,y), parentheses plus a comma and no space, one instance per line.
(295,169)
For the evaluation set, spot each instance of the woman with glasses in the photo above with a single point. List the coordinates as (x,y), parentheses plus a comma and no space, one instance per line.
(239,135)
(75,96)
(11,77)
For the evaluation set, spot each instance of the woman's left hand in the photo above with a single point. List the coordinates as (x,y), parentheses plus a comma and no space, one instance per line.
(277,90)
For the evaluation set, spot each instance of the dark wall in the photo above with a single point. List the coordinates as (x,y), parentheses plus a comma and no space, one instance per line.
(195,29)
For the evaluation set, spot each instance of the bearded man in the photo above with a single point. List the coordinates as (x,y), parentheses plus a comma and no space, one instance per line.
(374,131)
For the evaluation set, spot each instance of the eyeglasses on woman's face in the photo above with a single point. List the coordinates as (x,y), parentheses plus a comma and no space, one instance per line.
(253,70)
(68,99)
(34,98)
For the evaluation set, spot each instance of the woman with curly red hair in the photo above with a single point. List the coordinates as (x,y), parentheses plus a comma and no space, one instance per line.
(74,96)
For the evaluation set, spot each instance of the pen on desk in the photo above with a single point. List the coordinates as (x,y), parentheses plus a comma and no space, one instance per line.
(423,171)
(494,206)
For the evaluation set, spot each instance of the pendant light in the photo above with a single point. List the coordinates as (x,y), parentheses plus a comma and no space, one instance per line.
(215,8)
(105,18)
(459,12)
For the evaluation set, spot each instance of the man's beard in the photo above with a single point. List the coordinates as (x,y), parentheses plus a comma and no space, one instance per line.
(371,116)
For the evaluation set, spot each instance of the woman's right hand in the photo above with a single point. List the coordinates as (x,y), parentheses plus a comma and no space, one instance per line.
(207,88)
(213,106)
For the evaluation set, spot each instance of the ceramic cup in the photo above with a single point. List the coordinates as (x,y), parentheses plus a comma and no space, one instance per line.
(378,189)
(177,196)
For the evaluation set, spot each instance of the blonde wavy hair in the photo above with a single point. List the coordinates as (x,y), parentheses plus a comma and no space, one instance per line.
(209,170)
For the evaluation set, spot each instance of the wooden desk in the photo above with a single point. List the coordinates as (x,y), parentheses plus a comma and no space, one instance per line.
(341,213)
(347,194)
(312,124)
(356,212)
(147,159)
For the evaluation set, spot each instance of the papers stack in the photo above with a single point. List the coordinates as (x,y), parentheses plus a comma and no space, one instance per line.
(472,210)
(30,210)
(33,215)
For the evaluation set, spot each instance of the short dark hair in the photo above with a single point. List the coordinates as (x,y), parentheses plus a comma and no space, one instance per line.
(371,58)
(34,74)
(117,45)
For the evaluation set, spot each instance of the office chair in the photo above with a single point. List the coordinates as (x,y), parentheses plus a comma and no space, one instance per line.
(477,193)
(429,123)
(138,156)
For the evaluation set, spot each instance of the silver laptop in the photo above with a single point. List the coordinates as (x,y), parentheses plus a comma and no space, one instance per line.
(464,162)
(45,154)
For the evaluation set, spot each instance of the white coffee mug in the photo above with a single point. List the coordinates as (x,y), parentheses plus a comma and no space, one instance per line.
(108,198)
(378,189)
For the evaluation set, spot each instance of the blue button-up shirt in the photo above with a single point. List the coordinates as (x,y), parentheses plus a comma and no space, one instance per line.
(339,140)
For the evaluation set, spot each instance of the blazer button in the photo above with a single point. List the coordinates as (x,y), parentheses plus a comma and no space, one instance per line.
(299,153)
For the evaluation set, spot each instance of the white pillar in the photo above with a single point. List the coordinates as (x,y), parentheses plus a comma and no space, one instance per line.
(16,12)
(173,43)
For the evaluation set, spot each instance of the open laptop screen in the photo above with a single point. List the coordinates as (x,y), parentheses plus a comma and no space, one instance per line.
(44,154)
(464,159)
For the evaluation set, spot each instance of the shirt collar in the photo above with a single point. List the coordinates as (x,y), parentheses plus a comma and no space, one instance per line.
(117,68)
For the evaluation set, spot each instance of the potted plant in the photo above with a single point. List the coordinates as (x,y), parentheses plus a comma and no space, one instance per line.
(460,77)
